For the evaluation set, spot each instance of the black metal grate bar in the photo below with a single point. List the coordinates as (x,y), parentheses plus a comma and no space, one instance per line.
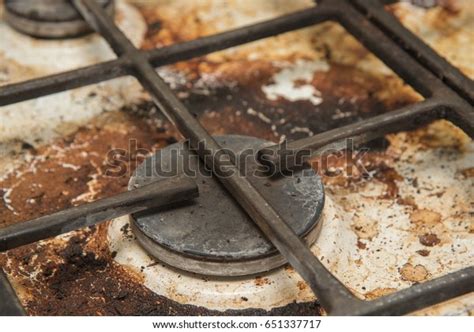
(386,49)
(419,50)
(442,102)
(43,86)
(421,295)
(9,303)
(405,118)
(331,292)
(153,195)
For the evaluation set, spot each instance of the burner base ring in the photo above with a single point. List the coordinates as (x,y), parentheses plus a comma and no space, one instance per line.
(214,268)
(212,235)
(52,20)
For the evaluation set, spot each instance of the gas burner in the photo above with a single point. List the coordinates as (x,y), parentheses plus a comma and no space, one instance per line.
(49,18)
(212,235)
(73,52)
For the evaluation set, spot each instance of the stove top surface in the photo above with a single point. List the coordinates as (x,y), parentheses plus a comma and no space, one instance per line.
(401,216)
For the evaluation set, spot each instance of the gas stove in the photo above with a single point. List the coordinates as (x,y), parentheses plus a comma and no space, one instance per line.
(221,158)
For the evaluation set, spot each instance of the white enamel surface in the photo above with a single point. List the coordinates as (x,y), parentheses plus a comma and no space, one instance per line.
(394,242)
(285,82)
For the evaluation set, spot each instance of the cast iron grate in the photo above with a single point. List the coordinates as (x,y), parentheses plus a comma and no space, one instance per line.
(448,95)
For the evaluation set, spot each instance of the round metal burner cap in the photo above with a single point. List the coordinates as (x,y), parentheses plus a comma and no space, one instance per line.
(49,18)
(213,235)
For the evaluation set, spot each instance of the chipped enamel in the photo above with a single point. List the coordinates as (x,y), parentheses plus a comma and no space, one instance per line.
(293,82)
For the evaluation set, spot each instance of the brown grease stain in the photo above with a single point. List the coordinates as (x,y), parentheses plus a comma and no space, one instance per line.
(412,273)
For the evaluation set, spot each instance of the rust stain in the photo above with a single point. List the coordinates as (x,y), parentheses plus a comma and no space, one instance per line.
(289,268)
(343,169)
(378,292)
(467,172)
(221,122)
(423,252)
(260,281)
(57,175)
(412,273)
(428,227)
(408,201)
(425,217)
(361,245)
(301,285)
(441,134)
(429,240)
(365,228)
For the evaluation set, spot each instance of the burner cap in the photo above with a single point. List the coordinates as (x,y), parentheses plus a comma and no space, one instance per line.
(49,18)
(213,235)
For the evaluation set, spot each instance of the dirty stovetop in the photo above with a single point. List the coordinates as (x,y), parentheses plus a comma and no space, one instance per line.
(410,220)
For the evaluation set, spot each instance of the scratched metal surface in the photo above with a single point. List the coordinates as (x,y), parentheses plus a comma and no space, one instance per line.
(409,221)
